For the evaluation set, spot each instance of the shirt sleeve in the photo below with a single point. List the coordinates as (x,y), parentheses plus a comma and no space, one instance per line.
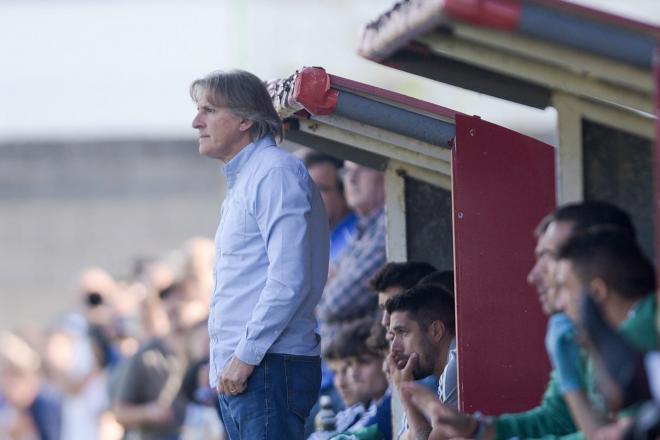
(130,378)
(447,388)
(282,209)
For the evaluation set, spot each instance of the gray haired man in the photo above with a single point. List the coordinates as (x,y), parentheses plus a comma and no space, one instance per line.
(271,263)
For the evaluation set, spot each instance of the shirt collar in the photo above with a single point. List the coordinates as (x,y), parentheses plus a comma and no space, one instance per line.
(234,166)
(635,308)
(347,221)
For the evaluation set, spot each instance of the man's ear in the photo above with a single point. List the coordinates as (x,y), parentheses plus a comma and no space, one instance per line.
(245,125)
(598,289)
(437,330)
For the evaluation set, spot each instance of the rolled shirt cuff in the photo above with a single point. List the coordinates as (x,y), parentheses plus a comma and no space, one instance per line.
(249,353)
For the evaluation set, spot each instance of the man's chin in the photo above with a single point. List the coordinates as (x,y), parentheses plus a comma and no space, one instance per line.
(545,306)
(205,151)
(348,402)
(549,308)
(419,374)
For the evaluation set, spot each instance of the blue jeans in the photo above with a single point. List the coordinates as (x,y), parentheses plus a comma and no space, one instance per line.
(279,394)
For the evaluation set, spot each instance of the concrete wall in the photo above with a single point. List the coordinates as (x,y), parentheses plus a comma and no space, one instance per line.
(65,206)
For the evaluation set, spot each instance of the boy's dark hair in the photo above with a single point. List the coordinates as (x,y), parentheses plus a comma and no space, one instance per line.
(352,342)
(442,278)
(613,255)
(585,215)
(405,275)
(424,305)
(314,158)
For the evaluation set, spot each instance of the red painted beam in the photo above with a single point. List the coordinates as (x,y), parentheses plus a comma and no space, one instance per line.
(499,14)
(315,89)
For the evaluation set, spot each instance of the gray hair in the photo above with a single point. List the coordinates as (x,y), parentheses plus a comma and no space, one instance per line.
(245,95)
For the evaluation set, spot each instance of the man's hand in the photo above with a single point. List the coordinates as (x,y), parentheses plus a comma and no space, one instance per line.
(445,421)
(400,370)
(615,430)
(233,379)
(563,351)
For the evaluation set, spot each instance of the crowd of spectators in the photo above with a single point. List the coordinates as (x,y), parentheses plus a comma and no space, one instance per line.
(128,360)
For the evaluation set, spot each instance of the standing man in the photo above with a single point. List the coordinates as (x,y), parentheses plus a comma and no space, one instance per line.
(325,171)
(150,403)
(271,263)
(347,295)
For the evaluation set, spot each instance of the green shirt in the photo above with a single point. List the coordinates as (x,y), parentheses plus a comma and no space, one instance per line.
(552,419)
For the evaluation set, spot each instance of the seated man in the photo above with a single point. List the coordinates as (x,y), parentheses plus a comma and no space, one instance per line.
(358,377)
(325,171)
(552,417)
(608,265)
(442,278)
(379,426)
(346,294)
(423,325)
(447,390)
(395,278)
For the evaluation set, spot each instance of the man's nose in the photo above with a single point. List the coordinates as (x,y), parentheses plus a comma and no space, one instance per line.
(534,275)
(385,320)
(396,346)
(197,122)
(560,300)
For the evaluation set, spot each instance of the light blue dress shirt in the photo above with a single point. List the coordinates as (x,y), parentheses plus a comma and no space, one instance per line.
(271,259)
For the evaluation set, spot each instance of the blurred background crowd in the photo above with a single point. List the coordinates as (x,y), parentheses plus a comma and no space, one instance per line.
(70,378)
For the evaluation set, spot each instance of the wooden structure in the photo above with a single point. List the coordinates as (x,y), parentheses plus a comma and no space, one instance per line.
(460,193)
(596,69)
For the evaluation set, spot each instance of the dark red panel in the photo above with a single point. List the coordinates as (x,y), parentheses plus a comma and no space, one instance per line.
(502,185)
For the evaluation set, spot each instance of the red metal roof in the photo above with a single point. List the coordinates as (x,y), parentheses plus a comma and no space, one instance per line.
(316,91)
